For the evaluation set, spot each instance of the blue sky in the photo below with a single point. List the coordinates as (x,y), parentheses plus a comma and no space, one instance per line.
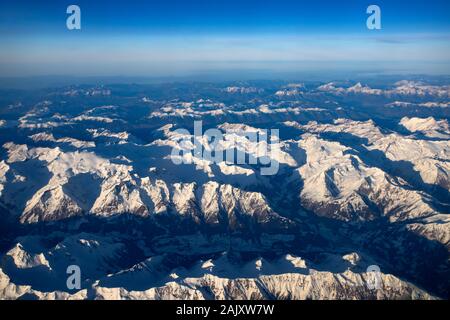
(179,37)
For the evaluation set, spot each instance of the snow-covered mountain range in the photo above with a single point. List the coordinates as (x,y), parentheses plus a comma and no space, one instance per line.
(87,178)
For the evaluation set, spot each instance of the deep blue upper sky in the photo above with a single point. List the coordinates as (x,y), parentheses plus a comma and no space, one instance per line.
(224,15)
(120,36)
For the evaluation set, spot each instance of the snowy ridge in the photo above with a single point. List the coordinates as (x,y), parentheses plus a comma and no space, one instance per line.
(429,127)
(286,278)
(106,178)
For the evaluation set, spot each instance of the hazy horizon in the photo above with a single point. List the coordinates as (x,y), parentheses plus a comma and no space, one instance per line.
(178,38)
